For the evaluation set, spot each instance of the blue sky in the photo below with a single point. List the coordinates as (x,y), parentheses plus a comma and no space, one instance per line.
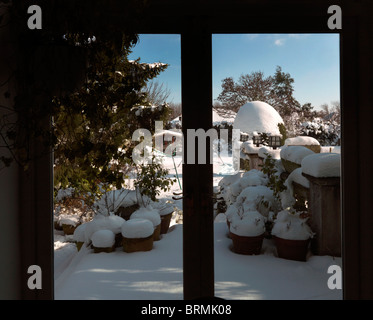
(311,59)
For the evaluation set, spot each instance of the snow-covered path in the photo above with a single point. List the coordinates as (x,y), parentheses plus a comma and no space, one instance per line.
(158,274)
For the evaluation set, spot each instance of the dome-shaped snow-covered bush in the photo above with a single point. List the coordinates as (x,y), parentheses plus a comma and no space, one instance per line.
(253,197)
(231,191)
(257,116)
(250,224)
(291,226)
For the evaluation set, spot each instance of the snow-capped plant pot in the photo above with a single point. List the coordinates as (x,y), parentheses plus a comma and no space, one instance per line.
(69,223)
(103,241)
(292,236)
(246,244)
(153,216)
(137,235)
(292,156)
(304,141)
(165,210)
(292,249)
(166,216)
(56,223)
(247,233)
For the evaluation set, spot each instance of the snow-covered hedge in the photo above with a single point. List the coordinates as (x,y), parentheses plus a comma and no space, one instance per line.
(249,224)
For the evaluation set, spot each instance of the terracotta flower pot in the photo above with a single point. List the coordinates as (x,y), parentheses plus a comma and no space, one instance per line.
(247,245)
(118,239)
(68,229)
(157,233)
(292,249)
(137,244)
(165,222)
(126,212)
(107,249)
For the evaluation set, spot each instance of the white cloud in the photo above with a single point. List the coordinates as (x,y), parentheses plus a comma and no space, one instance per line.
(279,42)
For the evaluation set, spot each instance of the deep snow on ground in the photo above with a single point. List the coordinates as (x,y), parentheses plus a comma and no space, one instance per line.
(158,274)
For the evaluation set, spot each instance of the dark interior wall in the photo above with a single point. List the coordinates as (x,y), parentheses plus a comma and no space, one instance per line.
(9,233)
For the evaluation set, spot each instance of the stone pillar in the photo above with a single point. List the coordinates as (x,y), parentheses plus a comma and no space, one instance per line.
(324,207)
(255,161)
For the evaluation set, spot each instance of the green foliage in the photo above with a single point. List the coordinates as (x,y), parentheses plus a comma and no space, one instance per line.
(93,126)
(152,179)
(283,132)
(275,183)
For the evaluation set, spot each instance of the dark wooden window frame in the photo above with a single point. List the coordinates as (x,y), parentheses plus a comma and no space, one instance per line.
(196,22)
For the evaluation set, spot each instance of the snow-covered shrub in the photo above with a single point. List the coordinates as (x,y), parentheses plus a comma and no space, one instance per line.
(233,185)
(111,200)
(68,202)
(327,132)
(248,224)
(251,198)
(152,178)
(273,169)
(289,225)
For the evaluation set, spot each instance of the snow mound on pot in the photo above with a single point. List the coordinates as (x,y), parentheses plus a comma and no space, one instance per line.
(322,165)
(295,153)
(251,224)
(291,226)
(111,222)
(103,239)
(147,213)
(137,228)
(69,219)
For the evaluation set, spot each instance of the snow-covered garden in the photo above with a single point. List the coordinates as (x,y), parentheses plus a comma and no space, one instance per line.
(117,254)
